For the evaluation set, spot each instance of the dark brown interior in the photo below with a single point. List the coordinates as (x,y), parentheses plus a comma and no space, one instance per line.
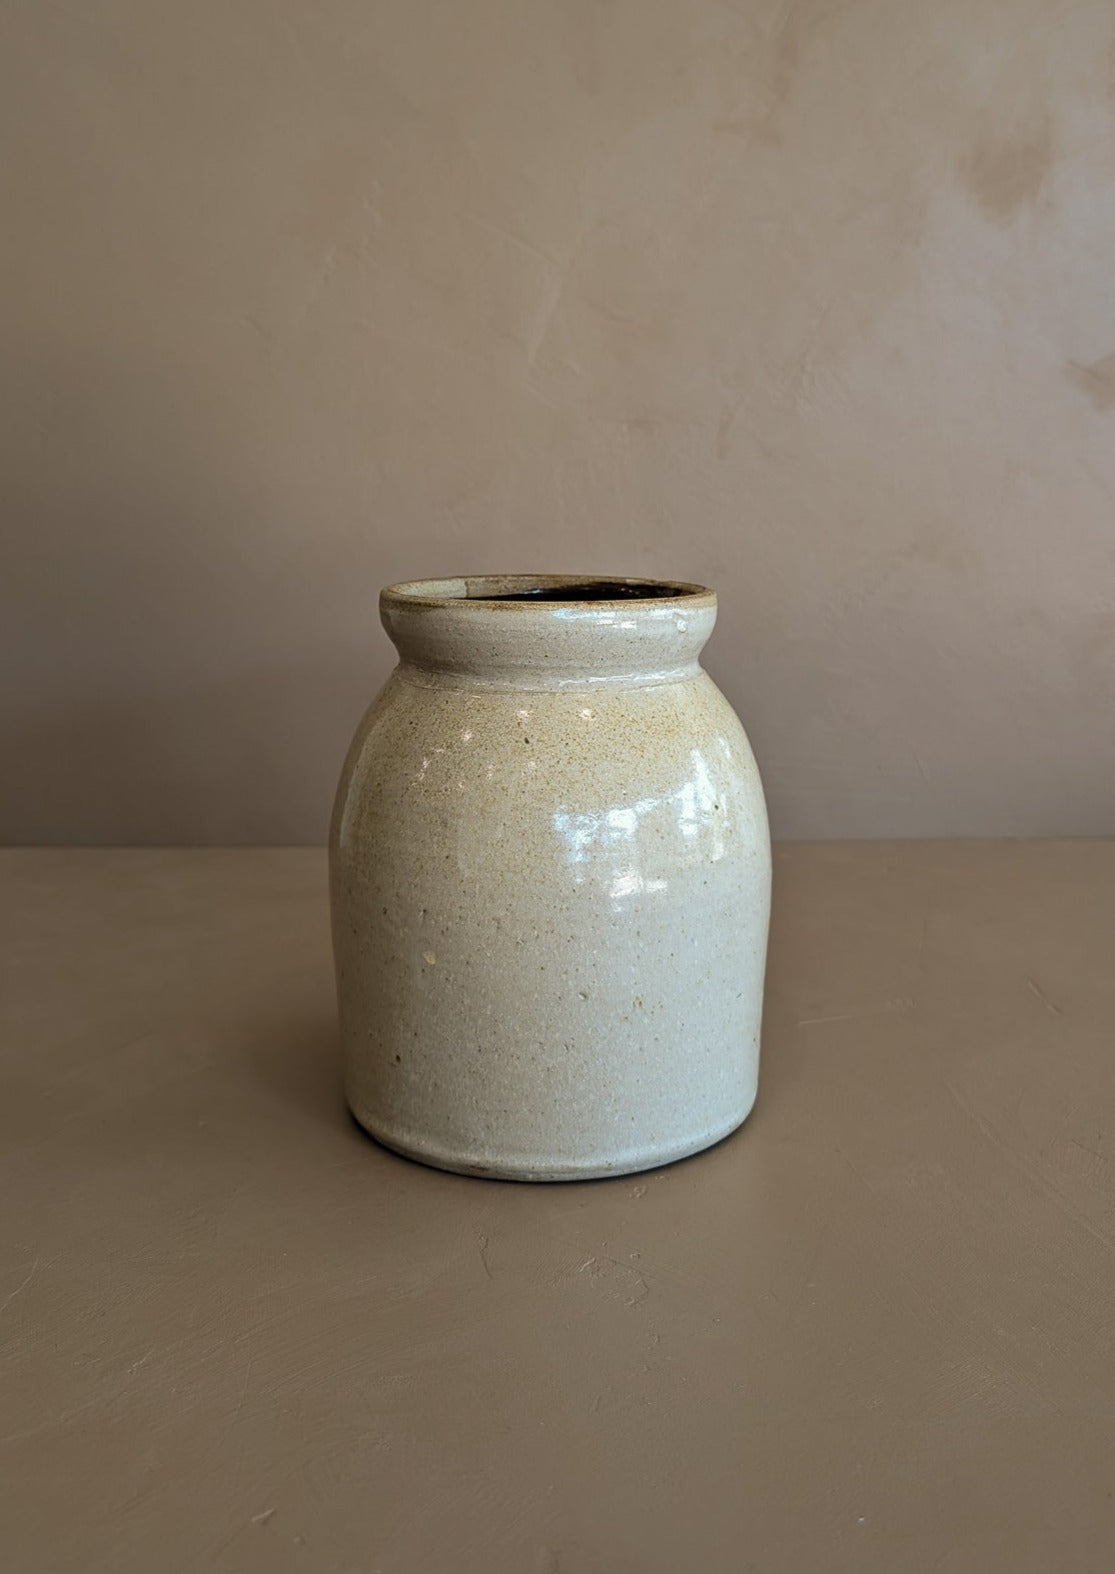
(587,590)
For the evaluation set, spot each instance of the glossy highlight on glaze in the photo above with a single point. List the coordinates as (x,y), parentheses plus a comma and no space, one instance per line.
(550,876)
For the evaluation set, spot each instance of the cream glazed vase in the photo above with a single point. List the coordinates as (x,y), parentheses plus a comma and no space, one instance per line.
(550,879)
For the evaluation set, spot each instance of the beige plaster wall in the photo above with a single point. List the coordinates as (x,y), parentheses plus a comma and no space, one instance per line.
(813,301)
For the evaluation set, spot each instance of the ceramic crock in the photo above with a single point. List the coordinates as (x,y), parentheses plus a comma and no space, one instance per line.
(550,881)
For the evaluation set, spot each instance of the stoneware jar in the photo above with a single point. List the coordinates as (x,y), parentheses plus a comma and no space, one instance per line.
(550,874)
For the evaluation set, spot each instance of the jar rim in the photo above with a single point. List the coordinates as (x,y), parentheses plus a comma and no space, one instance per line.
(542,590)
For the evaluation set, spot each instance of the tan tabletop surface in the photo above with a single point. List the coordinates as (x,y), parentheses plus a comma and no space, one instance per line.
(874,1330)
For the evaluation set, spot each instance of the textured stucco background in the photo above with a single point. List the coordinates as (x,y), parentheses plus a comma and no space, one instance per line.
(812,301)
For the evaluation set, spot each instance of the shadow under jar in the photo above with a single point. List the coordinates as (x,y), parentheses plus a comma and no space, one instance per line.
(550,882)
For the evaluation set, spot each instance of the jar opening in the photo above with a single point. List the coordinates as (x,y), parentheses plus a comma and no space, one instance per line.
(584,590)
(535,588)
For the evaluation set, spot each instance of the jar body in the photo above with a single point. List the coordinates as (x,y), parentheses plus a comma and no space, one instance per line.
(550,911)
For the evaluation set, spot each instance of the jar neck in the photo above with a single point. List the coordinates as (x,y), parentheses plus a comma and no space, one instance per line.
(547,632)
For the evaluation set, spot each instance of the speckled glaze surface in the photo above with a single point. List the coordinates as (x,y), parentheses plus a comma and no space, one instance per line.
(550,879)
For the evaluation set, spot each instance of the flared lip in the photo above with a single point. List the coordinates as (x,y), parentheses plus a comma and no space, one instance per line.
(518,592)
(548,630)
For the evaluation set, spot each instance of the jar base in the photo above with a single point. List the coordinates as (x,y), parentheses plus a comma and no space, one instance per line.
(547,1169)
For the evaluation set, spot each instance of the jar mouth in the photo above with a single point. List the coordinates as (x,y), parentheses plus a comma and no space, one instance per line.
(531,589)
(548,631)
